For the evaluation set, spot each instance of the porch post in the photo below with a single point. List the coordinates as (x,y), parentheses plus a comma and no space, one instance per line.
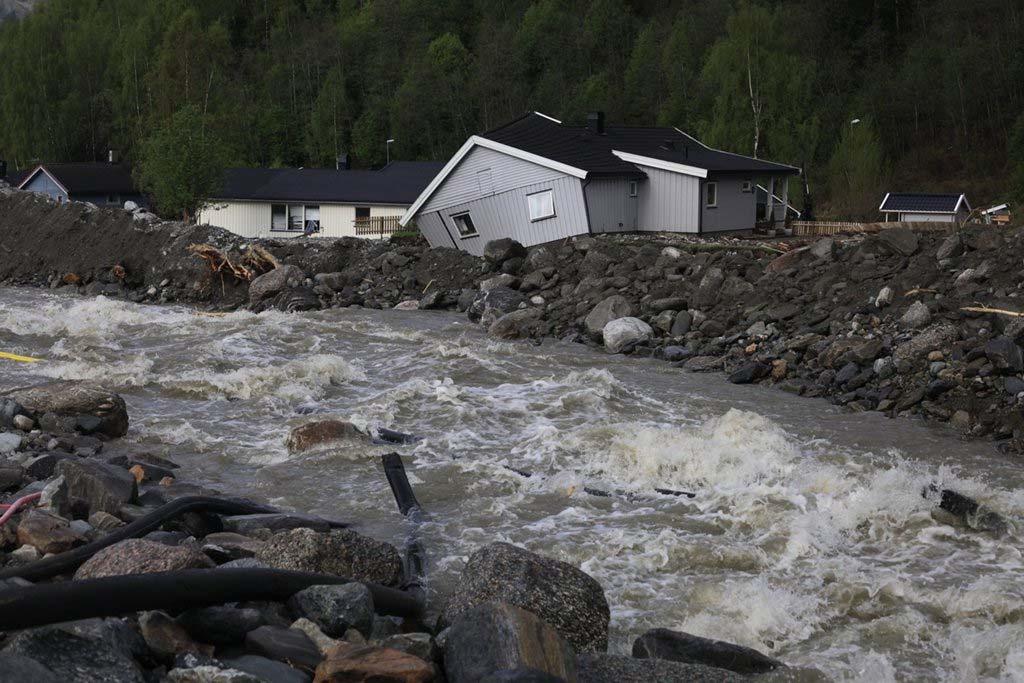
(770,207)
(785,199)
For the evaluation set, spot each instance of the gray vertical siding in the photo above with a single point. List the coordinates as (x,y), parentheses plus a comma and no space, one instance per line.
(506,215)
(468,180)
(610,207)
(42,184)
(668,201)
(736,210)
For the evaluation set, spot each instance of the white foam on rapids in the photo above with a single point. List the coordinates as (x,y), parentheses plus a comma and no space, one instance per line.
(294,380)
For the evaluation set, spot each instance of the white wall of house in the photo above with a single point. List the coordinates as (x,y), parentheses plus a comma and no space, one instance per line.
(930,217)
(668,201)
(253,219)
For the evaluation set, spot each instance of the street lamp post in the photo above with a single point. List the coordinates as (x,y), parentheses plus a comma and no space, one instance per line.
(387,148)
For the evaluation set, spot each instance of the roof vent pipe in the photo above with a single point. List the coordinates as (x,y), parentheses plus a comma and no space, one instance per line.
(112,156)
(595,122)
(343,163)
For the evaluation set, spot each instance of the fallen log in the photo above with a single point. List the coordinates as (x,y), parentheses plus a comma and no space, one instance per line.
(72,559)
(33,606)
(967,510)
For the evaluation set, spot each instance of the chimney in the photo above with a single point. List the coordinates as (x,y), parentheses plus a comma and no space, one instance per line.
(112,156)
(595,122)
(343,162)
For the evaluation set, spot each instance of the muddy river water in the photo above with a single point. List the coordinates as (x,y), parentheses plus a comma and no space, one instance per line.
(808,537)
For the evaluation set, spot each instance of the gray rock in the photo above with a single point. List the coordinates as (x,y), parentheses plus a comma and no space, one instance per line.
(663,321)
(704,364)
(211,674)
(884,298)
(672,303)
(500,250)
(274,282)
(495,636)
(9,442)
(275,521)
(44,465)
(611,308)
(624,333)
(267,669)
(708,289)
(234,545)
(284,645)
(420,645)
(9,409)
(47,533)
(76,401)
(335,609)
(11,476)
(342,552)
(681,324)
(166,638)
(434,299)
(490,305)
(935,337)
(21,669)
(676,646)
(674,354)
(749,373)
(595,264)
(604,668)
(23,422)
(501,280)
(559,593)
(951,247)
(524,323)
(1005,355)
(916,316)
(220,624)
(139,556)
(83,651)
(901,240)
(1013,385)
(96,485)
(825,248)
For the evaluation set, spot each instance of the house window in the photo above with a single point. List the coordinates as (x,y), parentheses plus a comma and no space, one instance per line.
(278,217)
(542,205)
(296,221)
(312,220)
(362,212)
(711,195)
(747,186)
(464,224)
(633,187)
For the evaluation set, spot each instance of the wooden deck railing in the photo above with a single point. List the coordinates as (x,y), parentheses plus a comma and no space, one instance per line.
(378,226)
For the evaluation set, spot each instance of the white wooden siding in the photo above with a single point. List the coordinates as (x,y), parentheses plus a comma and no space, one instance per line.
(928,217)
(610,206)
(252,219)
(668,201)
(465,183)
(507,215)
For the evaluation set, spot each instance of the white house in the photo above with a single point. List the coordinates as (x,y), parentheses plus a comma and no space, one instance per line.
(538,180)
(925,208)
(288,202)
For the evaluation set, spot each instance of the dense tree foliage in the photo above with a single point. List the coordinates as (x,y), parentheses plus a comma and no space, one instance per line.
(938,83)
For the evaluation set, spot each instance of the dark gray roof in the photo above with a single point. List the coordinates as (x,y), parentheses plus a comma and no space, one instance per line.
(922,203)
(580,147)
(14,178)
(400,182)
(91,177)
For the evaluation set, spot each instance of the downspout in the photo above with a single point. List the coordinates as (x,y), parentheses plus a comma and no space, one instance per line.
(586,204)
(700,206)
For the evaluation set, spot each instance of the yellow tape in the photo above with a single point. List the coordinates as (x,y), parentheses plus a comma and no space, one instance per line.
(20,359)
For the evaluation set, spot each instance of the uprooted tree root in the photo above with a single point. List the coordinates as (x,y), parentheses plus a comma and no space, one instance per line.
(254,262)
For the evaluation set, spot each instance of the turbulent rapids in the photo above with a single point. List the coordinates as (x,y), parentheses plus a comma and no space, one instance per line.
(808,539)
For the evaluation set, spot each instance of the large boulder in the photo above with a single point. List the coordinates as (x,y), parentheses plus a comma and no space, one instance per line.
(916,316)
(495,637)
(488,306)
(83,651)
(350,663)
(604,668)
(933,338)
(97,486)
(1005,355)
(612,308)
(900,240)
(72,405)
(709,287)
(139,556)
(520,324)
(501,250)
(557,592)
(47,533)
(625,333)
(676,646)
(342,552)
(335,609)
(273,282)
(311,434)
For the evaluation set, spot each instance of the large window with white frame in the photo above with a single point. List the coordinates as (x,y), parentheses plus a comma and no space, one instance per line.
(464,224)
(294,218)
(541,204)
(711,195)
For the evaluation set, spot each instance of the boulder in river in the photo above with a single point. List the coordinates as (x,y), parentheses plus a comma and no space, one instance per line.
(520,324)
(311,434)
(273,282)
(625,333)
(490,305)
(557,592)
(494,637)
(612,308)
(85,407)
(139,556)
(676,646)
(342,552)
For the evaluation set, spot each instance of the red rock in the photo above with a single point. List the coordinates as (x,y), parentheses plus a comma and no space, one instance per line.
(348,663)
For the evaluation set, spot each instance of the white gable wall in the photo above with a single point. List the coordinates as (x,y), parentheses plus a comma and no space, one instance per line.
(669,201)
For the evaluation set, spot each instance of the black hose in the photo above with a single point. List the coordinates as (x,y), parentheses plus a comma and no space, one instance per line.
(72,559)
(415,557)
(51,603)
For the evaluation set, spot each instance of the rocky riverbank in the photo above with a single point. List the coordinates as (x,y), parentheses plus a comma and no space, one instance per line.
(81,520)
(926,324)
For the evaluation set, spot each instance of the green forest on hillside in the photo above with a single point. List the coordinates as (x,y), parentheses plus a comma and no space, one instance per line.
(937,85)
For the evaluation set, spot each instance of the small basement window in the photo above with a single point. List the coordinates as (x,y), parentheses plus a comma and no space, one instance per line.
(633,188)
(278,217)
(542,205)
(711,195)
(464,224)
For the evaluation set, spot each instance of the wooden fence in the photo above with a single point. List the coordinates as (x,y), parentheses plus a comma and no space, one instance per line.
(378,226)
(823,228)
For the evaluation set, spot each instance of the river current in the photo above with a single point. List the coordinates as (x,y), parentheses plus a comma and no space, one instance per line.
(808,537)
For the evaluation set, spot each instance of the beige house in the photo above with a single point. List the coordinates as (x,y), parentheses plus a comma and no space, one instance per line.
(288,202)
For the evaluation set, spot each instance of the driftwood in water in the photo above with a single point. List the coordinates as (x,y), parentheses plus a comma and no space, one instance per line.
(967,510)
(109,596)
(415,557)
(71,560)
